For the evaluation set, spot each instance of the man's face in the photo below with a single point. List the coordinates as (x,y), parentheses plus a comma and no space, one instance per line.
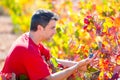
(49,30)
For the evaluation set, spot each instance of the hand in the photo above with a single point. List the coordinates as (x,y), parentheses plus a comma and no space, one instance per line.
(92,58)
(94,63)
(87,61)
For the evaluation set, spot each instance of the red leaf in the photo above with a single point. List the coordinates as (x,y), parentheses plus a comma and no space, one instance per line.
(86,21)
(85,27)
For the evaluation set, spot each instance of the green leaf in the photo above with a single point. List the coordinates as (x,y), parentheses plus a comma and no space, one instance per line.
(105,1)
(54,61)
(92,69)
(23,77)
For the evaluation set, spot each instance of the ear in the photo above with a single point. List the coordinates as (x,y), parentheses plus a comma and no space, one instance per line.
(39,27)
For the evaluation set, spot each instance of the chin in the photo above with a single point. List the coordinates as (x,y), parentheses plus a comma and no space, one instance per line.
(49,39)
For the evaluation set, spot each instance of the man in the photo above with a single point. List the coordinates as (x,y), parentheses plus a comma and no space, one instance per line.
(25,56)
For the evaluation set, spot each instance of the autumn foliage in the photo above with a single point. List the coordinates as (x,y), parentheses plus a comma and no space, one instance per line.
(83,25)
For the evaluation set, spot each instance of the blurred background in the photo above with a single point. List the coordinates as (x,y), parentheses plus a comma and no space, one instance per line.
(83,25)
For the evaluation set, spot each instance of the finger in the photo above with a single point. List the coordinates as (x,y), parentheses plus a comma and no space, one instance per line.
(92,58)
(95,54)
(95,62)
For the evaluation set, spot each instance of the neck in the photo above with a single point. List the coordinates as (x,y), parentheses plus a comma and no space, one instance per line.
(33,36)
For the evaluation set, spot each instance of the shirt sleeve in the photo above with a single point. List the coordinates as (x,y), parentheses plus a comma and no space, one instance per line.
(36,67)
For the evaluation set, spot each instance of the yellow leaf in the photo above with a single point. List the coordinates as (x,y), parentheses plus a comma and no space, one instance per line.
(101,75)
(118,59)
(105,43)
(109,75)
(0,77)
(108,22)
(24,28)
(99,8)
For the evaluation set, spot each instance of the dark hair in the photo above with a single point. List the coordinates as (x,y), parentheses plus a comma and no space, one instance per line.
(42,17)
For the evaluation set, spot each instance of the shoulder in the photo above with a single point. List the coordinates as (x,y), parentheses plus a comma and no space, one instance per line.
(20,45)
(22,42)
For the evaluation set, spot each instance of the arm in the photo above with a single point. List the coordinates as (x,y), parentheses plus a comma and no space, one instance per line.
(61,75)
(66,63)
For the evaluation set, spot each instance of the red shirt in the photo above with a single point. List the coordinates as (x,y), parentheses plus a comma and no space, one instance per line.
(25,58)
